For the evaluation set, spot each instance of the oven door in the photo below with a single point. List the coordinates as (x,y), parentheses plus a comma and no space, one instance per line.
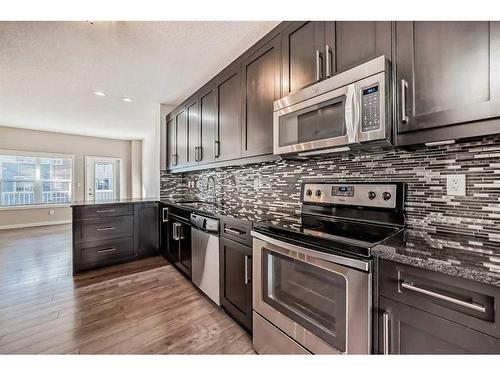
(327,120)
(312,297)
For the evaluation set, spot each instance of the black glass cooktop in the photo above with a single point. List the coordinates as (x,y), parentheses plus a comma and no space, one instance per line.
(327,234)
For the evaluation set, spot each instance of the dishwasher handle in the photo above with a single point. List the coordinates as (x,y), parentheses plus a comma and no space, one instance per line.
(205,223)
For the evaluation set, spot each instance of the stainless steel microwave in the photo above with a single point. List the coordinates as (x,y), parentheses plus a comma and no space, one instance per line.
(345,111)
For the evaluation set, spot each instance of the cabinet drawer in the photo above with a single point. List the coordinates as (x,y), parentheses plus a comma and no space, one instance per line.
(102,210)
(103,228)
(467,302)
(408,330)
(237,230)
(102,253)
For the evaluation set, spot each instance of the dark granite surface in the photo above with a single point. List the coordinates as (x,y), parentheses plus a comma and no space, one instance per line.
(114,201)
(474,258)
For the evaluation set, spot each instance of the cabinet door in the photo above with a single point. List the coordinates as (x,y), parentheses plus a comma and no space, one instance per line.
(303,53)
(447,73)
(207,124)
(236,283)
(182,137)
(260,88)
(407,330)
(193,128)
(171,142)
(185,249)
(146,229)
(349,43)
(229,116)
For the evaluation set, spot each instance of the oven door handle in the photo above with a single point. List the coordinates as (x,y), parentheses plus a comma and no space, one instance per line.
(350,114)
(337,259)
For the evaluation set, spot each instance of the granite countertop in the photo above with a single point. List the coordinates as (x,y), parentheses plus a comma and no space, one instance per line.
(474,258)
(114,201)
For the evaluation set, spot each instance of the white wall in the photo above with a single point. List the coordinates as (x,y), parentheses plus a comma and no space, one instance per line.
(16,139)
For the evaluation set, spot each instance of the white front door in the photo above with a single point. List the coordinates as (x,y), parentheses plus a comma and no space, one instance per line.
(102,178)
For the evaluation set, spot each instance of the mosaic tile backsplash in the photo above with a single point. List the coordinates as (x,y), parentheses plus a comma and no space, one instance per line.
(276,185)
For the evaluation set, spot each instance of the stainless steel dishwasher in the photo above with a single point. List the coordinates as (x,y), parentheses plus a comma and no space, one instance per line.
(205,255)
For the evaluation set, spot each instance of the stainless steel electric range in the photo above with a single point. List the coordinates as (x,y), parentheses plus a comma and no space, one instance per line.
(313,272)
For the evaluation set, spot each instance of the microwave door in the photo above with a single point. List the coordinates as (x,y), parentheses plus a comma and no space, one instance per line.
(320,122)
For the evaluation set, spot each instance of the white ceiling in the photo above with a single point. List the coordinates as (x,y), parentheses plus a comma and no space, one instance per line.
(49,70)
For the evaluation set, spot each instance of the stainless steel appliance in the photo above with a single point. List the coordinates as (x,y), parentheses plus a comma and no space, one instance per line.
(337,114)
(312,272)
(205,255)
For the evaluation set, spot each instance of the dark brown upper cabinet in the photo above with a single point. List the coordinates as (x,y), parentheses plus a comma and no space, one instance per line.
(206,100)
(182,138)
(171,142)
(193,128)
(303,54)
(447,73)
(228,115)
(351,43)
(260,88)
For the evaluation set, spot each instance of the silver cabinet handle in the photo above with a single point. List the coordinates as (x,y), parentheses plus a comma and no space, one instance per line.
(175,158)
(234,231)
(319,56)
(200,153)
(216,149)
(103,229)
(165,214)
(196,153)
(386,336)
(473,306)
(175,234)
(247,280)
(404,86)
(108,250)
(328,61)
(104,211)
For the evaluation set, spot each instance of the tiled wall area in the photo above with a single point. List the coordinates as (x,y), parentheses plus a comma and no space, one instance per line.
(424,169)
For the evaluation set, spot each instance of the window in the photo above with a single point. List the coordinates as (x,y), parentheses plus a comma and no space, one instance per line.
(28,179)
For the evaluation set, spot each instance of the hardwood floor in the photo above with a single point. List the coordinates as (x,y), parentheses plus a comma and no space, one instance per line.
(142,307)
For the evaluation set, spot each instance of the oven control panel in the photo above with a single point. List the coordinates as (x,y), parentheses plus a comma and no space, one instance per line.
(368,195)
(370,109)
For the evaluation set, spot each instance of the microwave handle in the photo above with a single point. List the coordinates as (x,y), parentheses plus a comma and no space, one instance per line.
(351,118)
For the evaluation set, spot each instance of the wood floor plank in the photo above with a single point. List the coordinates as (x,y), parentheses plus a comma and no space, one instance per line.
(142,307)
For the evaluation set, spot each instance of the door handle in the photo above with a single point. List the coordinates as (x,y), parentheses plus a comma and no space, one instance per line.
(319,65)
(350,114)
(386,332)
(470,305)
(105,229)
(234,231)
(104,211)
(196,153)
(108,250)
(328,61)
(247,279)
(175,234)
(216,149)
(200,153)
(174,159)
(404,87)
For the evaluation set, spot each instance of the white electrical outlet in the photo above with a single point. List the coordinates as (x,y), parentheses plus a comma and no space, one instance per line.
(455,184)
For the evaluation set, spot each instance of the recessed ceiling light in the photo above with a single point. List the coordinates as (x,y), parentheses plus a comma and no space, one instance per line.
(99,93)
(125,99)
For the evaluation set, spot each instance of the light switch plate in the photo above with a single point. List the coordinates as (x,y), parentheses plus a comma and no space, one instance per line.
(455,184)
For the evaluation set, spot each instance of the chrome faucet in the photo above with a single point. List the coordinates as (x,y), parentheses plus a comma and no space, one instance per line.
(211,178)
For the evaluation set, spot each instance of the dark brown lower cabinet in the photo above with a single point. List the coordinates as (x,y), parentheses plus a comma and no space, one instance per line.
(179,247)
(146,229)
(236,281)
(407,330)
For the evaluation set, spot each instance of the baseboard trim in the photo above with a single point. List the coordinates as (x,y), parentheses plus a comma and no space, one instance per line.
(39,224)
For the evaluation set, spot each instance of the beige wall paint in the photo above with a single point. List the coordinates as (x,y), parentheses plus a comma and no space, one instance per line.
(16,139)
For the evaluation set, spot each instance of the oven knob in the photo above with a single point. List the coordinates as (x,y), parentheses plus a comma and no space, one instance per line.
(318,193)
(372,195)
(386,196)
(309,192)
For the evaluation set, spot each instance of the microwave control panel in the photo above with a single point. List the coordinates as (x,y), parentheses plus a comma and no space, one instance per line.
(370,109)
